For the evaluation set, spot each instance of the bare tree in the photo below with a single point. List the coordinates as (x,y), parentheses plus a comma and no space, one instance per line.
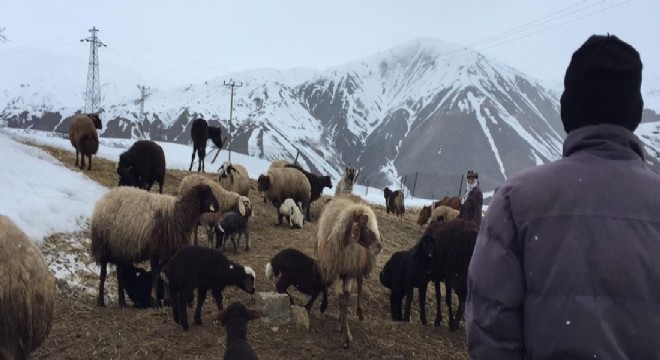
(3,37)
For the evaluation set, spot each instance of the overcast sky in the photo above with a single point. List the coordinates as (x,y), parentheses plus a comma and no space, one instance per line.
(188,41)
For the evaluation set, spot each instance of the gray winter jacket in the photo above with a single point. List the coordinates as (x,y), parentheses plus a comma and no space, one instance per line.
(567,262)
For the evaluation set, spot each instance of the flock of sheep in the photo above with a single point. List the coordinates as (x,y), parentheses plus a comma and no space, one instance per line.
(130,225)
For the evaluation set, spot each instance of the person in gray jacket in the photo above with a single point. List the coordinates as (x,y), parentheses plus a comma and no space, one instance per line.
(567,262)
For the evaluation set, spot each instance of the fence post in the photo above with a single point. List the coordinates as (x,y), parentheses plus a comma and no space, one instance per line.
(366,192)
(415,184)
(460,189)
(297,153)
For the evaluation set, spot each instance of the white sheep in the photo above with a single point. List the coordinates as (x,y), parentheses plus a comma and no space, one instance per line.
(234,177)
(280,184)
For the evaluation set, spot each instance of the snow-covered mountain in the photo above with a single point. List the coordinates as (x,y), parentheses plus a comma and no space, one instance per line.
(423,111)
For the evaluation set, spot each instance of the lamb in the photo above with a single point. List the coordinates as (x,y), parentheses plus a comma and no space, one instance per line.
(137,283)
(200,132)
(201,268)
(407,270)
(292,212)
(228,200)
(132,225)
(234,177)
(27,293)
(454,244)
(394,202)
(425,214)
(317,183)
(84,138)
(345,185)
(235,317)
(280,184)
(142,165)
(297,269)
(347,243)
(233,224)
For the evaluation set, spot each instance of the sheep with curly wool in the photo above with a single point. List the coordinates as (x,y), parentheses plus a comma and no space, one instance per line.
(280,184)
(142,165)
(234,177)
(345,184)
(228,201)
(201,268)
(132,225)
(347,243)
(27,293)
(292,267)
(292,212)
(84,138)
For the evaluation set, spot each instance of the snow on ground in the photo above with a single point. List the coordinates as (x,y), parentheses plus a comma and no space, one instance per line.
(39,194)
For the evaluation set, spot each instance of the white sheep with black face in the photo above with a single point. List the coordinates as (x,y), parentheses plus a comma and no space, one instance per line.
(234,177)
(292,212)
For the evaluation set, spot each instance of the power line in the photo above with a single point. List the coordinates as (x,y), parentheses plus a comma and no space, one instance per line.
(93,91)
(231,84)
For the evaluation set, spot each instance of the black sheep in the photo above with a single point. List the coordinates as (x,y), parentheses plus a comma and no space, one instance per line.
(232,224)
(297,269)
(317,182)
(201,268)
(454,244)
(200,132)
(394,201)
(137,283)
(405,271)
(235,318)
(142,165)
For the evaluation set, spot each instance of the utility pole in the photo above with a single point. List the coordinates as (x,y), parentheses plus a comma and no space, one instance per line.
(93,91)
(231,84)
(144,92)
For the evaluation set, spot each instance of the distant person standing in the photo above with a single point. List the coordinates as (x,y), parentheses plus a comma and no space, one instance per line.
(566,265)
(473,199)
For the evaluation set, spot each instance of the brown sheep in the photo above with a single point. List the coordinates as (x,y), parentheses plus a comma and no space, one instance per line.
(27,293)
(394,202)
(84,138)
(424,215)
(347,243)
(278,185)
(132,225)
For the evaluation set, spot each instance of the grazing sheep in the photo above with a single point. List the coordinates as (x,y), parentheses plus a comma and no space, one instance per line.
(234,177)
(454,244)
(317,183)
(200,132)
(426,212)
(405,271)
(345,185)
(27,293)
(132,225)
(228,200)
(281,184)
(197,267)
(297,269)
(394,202)
(232,224)
(142,165)
(292,212)
(84,138)
(235,318)
(347,243)
(137,283)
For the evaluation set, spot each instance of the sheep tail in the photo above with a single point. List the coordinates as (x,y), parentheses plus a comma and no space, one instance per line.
(163,276)
(269,271)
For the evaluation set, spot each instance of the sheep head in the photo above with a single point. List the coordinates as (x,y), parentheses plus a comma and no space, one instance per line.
(364,235)
(126,172)
(225,169)
(237,311)
(424,215)
(207,201)
(387,193)
(263,182)
(244,206)
(425,246)
(242,277)
(96,120)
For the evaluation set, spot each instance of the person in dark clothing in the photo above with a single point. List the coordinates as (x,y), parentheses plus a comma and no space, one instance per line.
(566,262)
(472,200)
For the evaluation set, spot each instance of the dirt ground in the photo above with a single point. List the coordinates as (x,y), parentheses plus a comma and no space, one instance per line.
(81,330)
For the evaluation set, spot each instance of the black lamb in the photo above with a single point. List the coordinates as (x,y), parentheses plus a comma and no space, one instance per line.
(200,133)
(297,269)
(233,224)
(454,245)
(142,165)
(317,182)
(235,318)
(405,271)
(201,268)
(137,283)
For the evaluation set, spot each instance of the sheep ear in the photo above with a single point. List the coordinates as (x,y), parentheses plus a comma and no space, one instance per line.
(222,316)
(241,207)
(253,314)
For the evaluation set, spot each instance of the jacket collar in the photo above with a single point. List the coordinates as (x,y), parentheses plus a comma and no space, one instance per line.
(604,140)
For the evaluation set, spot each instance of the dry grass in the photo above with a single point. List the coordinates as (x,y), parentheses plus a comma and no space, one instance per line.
(81,330)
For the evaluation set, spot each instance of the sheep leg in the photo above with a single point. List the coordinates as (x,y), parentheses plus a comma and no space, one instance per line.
(247,240)
(209,235)
(448,301)
(453,326)
(201,296)
(422,304)
(193,159)
(201,153)
(195,240)
(155,275)
(438,304)
(345,330)
(160,185)
(282,285)
(120,289)
(77,152)
(89,166)
(311,301)
(409,297)
(182,300)
(174,302)
(233,241)
(104,272)
(82,161)
(395,306)
(217,295)
(324,301)
(359,298)
(307,216)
